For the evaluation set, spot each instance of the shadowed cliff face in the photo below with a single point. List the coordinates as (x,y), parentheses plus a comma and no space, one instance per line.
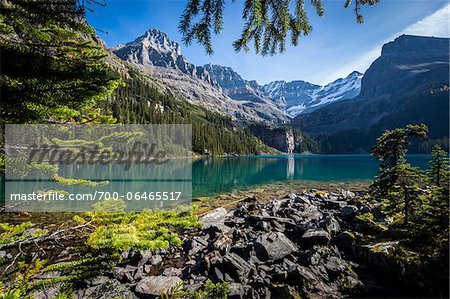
(408,83)
(408,65)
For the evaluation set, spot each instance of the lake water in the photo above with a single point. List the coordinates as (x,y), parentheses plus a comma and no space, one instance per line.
(214,175)
(222,174)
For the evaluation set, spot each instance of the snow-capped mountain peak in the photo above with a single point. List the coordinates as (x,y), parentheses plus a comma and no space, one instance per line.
(157,54)
(340,89)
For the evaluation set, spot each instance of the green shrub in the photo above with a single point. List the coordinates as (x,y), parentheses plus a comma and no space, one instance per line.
(209,291)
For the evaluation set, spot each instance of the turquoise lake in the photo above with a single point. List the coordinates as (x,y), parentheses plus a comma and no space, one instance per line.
(222,174)
(215,175)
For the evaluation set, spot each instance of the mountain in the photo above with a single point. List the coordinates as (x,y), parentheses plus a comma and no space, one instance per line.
(154,48)
(298,97)
(234,86)
(290,94)
(294,97)
(408,83)
(161,58)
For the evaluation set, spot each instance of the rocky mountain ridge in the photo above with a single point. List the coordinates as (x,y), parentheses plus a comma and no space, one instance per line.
(161,58)
(408,83)
(223,90)
(294,97)
(154,48)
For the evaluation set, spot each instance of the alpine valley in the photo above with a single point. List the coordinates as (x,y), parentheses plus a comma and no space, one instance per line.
(343,116)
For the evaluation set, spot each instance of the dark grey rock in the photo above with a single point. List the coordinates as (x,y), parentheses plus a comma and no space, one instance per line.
(331,225)
(130,273)
(97,280)
(316,236)
(234,263)
(237,290)
(219,275)
(144,257)
(155,285)
(172,272)
(46,292)
(336,265)
(348,212)
(118,273)
(108,290)
(363,209)
(274,246)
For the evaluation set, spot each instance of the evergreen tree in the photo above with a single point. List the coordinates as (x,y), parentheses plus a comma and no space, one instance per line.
(439,167)
(403,195)
(52,67)
(398,181)
(392,145)
(434,214)
(267,22)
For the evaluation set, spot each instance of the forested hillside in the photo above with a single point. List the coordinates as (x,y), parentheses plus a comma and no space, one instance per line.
(56,70)
(141,101)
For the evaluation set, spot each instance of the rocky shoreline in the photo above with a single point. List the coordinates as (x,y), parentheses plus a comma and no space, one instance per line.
(306,245)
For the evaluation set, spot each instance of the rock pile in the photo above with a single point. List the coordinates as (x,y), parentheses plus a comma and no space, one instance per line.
(272,250)
(297,245)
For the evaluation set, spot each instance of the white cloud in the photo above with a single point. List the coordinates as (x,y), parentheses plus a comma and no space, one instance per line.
(436,24)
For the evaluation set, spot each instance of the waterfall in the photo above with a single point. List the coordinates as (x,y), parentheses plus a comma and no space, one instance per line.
(290,142)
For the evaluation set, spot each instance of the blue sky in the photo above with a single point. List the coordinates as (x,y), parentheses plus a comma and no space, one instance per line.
(336,46)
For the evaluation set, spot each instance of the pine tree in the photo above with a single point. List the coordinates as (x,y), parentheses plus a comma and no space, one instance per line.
(439,167)
(52,66)
(267,22)
(398,181)
(403,195)
(434,214)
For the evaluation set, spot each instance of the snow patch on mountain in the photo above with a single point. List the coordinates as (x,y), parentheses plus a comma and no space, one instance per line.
(340,89)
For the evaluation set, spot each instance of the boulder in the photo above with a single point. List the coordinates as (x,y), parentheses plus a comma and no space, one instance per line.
(144,257)
(336,265)
(130,273)
(98,280)
(348,194)
(348,212)
(310,214)
(344,239)
(155,285)
(274,246)
(316,236)
(46,292)
(171,271)
(331,225)
(155,260)
(215,218)
(237,290)
(118,273)
(234,264)
(110,289)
